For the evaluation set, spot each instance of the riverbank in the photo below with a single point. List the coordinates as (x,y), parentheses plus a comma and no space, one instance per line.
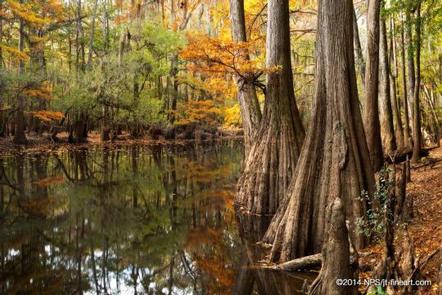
(45,143)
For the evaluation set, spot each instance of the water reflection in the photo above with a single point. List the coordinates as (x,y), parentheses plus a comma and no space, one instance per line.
(126,220)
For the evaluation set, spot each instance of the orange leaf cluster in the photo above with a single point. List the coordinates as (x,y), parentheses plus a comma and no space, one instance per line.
(48,116)
(213,55)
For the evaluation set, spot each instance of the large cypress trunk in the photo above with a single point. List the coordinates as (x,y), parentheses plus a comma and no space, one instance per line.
(334,160)
(371,114)
(248,101)
(272,158)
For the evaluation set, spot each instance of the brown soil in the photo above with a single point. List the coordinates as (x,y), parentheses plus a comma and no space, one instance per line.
(426,226)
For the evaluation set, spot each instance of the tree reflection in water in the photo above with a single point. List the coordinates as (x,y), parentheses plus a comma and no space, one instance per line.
(125,220)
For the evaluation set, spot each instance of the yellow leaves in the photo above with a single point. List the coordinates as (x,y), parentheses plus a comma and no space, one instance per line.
(24,11)
(48,116)
(15,52)
(203,111)
(36,13)
(232,116)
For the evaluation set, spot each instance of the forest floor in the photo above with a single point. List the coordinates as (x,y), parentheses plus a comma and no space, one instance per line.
(425,228)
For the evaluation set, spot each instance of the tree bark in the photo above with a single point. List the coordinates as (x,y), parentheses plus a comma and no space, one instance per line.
(371,115)
(384,93)
(247,98)
(272,158)
(334,160)
(417,136)
(399,131)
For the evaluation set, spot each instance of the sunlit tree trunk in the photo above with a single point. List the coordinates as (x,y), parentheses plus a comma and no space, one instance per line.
(272,158)
(334,160)
(248,101)
(384,93)
(398,128)
(371,114)
(410,68)
(407,136)
(417,136)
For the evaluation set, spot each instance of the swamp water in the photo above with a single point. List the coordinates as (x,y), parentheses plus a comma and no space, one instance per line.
(127,220)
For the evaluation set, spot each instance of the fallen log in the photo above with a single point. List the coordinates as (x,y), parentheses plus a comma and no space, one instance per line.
(306,262)
(310,262)
(401,156)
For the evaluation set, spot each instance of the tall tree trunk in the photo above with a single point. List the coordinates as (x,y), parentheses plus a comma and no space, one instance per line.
(173,90)
(248,101)
(417,136)
(407,136)
(436,123)
(371,115)
(410,65)
(358,48)
(79,40)
(92,34)
(384,93)
(399,131)
(19,135)
(272,158)
(334,160)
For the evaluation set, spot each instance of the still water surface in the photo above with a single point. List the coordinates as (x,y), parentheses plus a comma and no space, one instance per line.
(127,220)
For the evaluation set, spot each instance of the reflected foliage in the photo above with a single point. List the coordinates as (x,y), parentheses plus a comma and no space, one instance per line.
(127,219)
(124,220)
